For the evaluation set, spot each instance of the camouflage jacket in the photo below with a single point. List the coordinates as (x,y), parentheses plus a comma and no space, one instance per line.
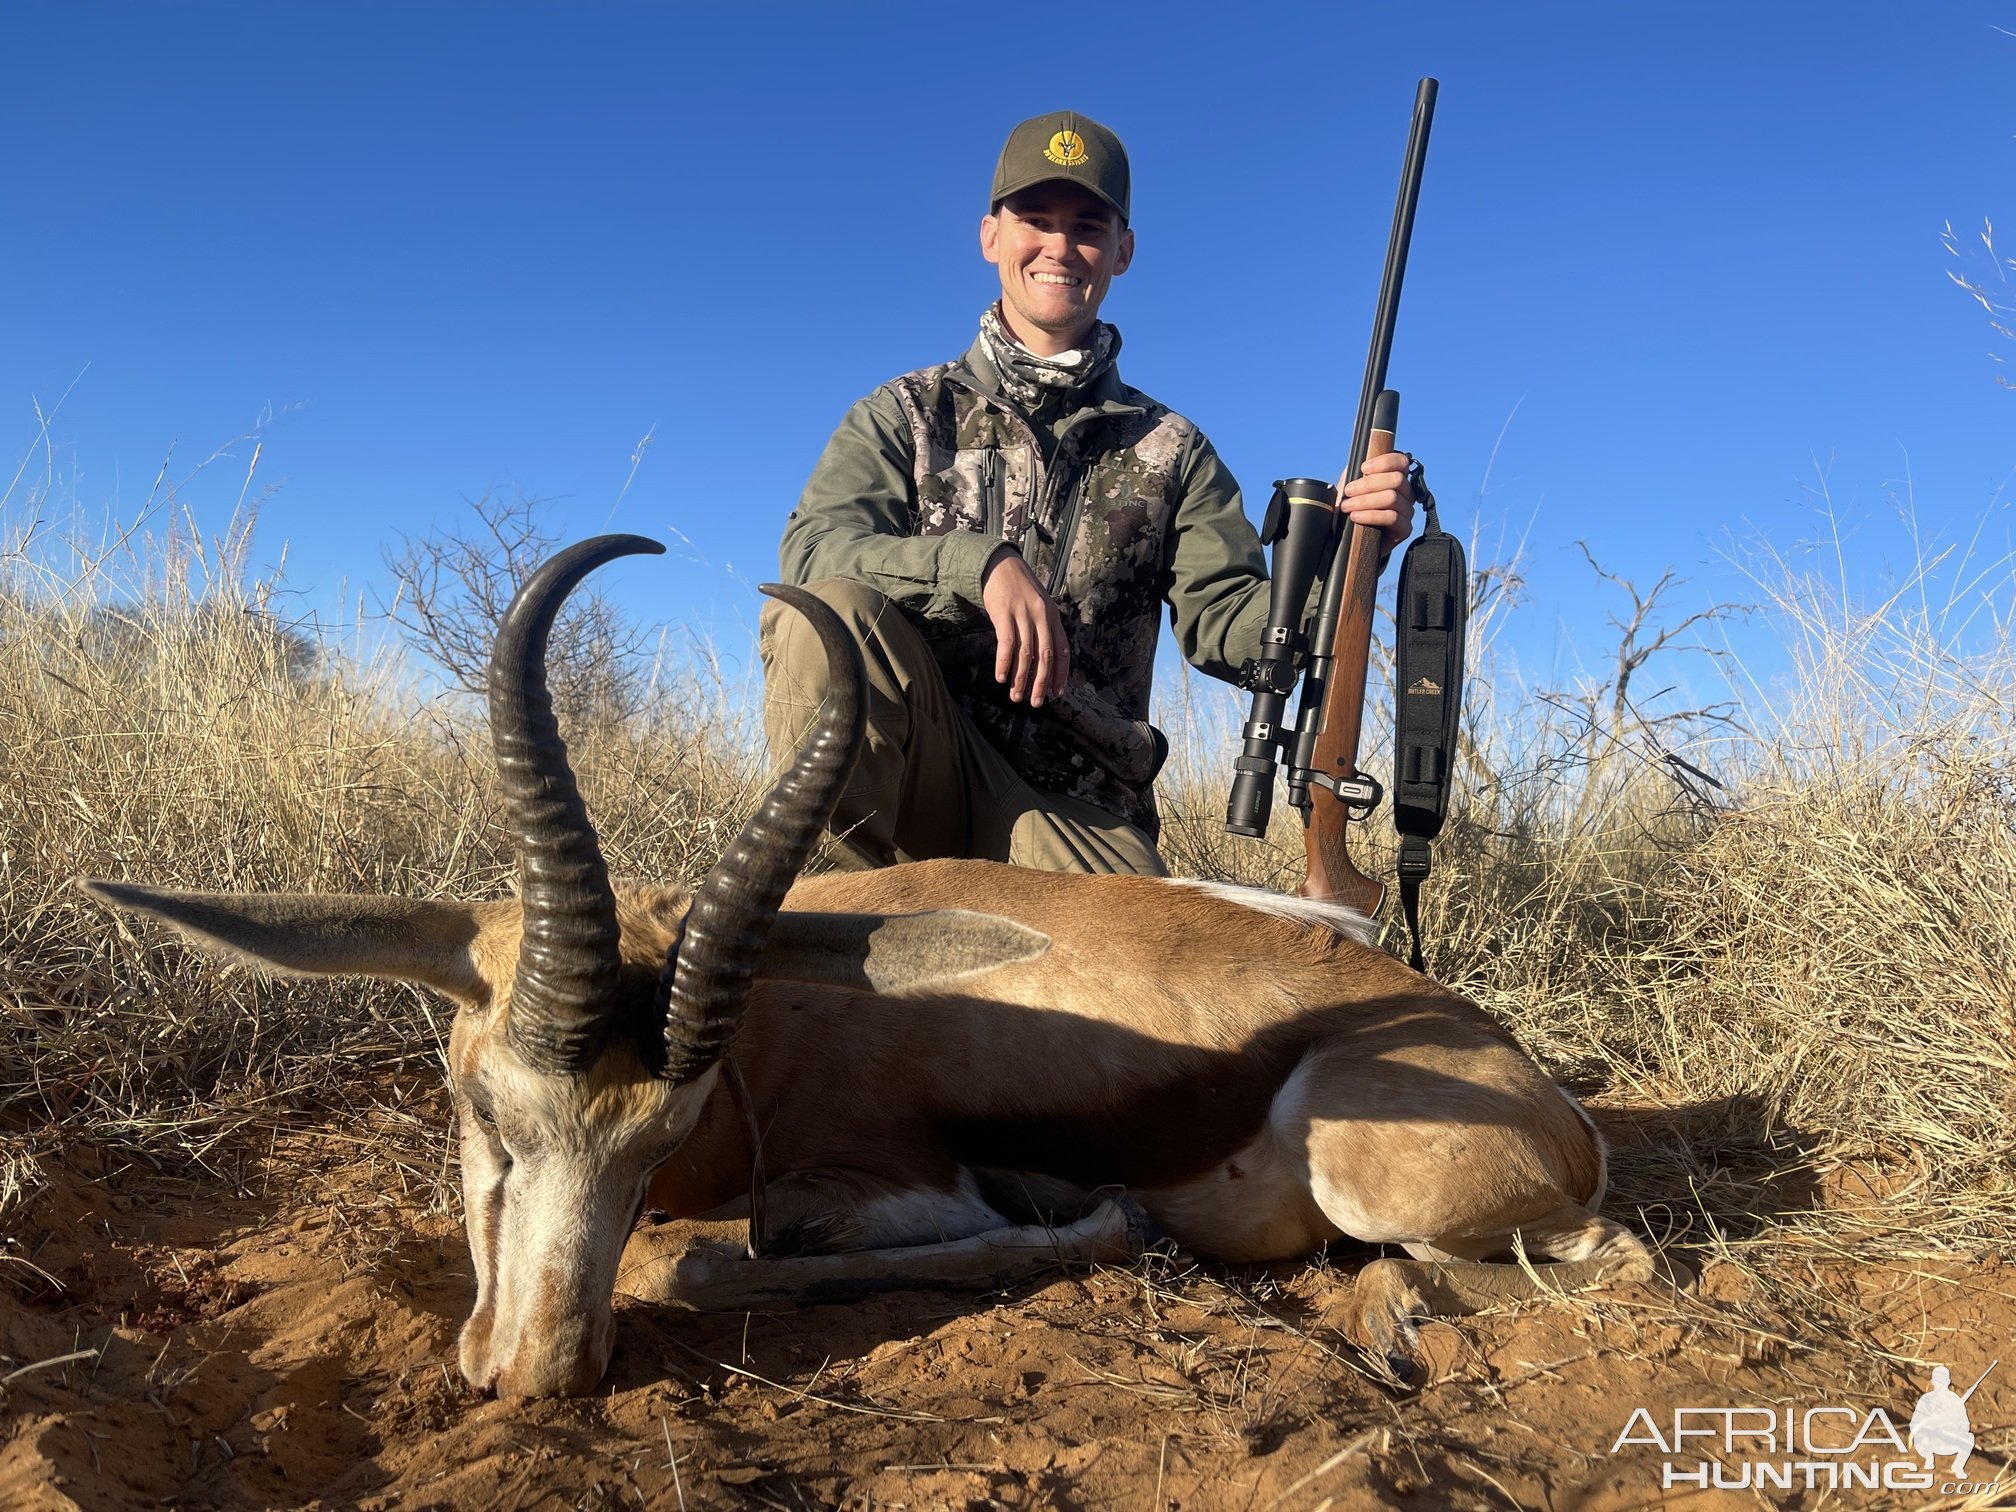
(1118,504)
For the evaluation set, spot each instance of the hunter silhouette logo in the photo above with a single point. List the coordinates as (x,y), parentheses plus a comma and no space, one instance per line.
(1066,149)
(1827,1447)
(1939,1422)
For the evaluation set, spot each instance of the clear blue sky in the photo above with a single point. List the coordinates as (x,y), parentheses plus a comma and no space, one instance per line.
(1668,257)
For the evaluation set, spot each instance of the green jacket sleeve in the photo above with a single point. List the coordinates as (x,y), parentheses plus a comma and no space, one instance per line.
(1218,591)
(857,520)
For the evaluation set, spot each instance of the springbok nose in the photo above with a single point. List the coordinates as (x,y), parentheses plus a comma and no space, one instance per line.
(555,1376)
(567,1360)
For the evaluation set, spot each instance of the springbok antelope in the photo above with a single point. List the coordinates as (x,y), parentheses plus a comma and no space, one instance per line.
(933,1066)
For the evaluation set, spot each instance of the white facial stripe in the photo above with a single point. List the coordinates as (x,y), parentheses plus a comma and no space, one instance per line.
(482,1184)
(547,1232)
(562,1233)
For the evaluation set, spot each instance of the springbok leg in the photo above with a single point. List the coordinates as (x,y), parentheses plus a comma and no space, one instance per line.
(711,1276)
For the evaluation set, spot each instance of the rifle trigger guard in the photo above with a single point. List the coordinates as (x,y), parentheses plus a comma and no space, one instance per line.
(1359,795)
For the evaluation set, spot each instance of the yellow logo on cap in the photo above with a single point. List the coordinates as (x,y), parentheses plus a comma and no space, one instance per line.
(1066,149)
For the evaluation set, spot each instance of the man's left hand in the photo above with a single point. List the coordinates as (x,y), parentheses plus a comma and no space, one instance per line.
(1382,498)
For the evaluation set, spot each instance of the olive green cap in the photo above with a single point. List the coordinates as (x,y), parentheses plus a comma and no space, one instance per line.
(1064,145)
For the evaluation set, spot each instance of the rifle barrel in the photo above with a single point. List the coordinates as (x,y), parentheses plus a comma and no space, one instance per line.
(1388,309)
(1982,1377)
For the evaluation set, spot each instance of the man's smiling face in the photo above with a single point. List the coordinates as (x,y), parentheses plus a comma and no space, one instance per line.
(1058,245)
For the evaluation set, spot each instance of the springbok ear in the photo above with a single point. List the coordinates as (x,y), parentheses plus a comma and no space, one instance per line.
(895,952)
(318,934)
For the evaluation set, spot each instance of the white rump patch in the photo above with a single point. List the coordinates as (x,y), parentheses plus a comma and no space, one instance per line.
(1338,918)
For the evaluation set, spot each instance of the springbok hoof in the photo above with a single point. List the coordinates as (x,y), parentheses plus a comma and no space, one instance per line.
(1384,1320)
(1142,1230)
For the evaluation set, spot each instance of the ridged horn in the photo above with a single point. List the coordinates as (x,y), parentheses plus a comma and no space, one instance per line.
(567,957)
(707,974)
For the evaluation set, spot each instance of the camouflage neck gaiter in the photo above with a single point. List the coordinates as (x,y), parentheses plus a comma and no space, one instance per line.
(1025,376)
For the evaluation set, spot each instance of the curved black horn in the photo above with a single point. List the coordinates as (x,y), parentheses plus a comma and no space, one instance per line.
(567,958)
(707,975)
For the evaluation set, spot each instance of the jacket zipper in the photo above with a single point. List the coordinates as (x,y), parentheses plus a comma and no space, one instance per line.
(1067,520)
(1072,477)
(995,509)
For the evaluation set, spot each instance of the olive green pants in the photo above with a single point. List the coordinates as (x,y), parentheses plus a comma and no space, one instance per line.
(928,784)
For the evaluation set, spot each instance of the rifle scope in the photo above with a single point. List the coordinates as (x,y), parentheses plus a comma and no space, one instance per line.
(1300,524)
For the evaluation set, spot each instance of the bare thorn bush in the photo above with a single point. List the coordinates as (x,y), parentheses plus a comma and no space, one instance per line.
(452,586)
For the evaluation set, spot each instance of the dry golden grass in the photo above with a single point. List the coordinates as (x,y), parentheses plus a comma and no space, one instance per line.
(1794,994)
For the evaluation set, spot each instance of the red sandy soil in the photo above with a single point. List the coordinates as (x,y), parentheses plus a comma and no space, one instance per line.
(287,1339)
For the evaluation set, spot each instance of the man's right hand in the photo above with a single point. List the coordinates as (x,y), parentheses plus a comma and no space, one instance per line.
(1028,631)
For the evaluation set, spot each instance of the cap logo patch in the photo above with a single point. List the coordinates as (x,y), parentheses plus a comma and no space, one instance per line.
(1066,149)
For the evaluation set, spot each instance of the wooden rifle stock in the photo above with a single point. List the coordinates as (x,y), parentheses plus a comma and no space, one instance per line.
(1331,871)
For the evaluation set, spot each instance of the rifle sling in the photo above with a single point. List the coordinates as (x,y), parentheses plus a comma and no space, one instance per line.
(1433,610)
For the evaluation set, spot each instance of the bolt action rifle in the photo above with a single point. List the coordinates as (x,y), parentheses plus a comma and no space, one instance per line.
(1312,541)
